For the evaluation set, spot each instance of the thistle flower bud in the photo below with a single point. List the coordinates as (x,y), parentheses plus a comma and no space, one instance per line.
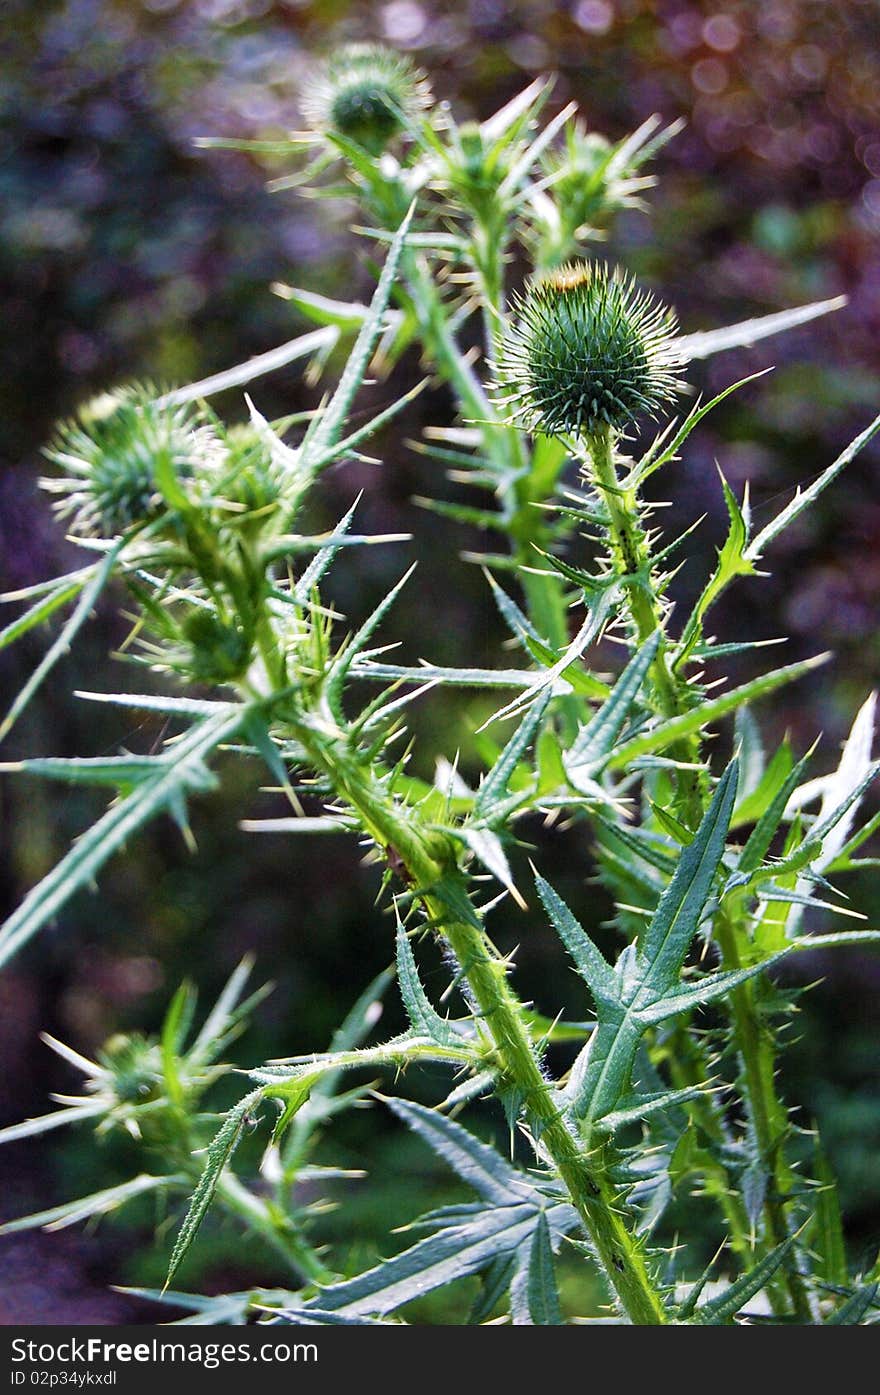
(587,351)
(367,93)
(113,453)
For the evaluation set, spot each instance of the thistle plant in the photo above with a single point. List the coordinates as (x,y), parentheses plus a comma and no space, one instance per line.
(718,871)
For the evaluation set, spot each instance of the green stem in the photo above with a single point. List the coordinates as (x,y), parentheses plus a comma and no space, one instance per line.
(688,1068)
(631,559)
(432,872)
(768,1117)
(276,1228)
(631,556)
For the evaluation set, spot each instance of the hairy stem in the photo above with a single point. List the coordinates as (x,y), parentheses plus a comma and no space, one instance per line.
(432,872)
(274,1226)
(769,1121)
(631,559)
(631,555)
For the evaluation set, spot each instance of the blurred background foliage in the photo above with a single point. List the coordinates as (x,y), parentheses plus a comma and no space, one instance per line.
(125,251)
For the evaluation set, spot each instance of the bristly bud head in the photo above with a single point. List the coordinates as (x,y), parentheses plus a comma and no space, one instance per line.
(587,351)
(368,94)
(114,452)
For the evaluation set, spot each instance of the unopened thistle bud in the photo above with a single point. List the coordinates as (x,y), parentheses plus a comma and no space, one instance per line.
(367,93)
(113,453)
(587,352)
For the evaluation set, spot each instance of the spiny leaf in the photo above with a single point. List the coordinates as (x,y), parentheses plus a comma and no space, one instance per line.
(661,454)
(755,800)
(647,973)
(856,1307)
(97,1204)
(319,564)
(674,924)
(592,966)
(595,742)
(318,341)
(424,1020)
(72,626)
(724,1308)
(805,497)
(667,733)
(174,773)
(494,789)
(330,423)
(827,1235)
(705,990)
(476,1163)
(732,562)
(218,1155)
(534,1298)
(762,835)
(748,332)
(62,591)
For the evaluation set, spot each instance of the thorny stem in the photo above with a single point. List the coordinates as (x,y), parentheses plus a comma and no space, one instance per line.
(274,1226)
(767,1114)
(631,554)
(632,561)
(502,442)
(431,869)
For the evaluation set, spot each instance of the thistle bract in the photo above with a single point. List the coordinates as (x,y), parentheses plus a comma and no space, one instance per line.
(588,351)
(116,452)
(368,94)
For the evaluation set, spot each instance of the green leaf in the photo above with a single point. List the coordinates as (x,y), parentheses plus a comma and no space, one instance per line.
(666,939)
(661,454)
(219,1153)
(732,562)
(755,800)
(704,991)
(98,1204)
(174,1030)
(762,835)
(424,1020)
(59,1118)
(180,769)
(724,1308)
(457,1251)
(748,332)
(805,497)
(72,626)
(496,1282)
(493,791)
(667,733)
(319,564)
(534,1298)
(826,1237)
(596,741)
(647,974)
(63,591)
(331,421)
(479,1165)
(856,1307)
(592,966)
(317,342)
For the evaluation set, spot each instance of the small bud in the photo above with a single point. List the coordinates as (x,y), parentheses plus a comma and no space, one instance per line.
(587,351)
(113,452)
(133,1063)
(368,94)
(219,650)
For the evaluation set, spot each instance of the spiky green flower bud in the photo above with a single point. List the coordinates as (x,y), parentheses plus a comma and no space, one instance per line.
(219,650)
(367,93)
(587,351)
(116,453)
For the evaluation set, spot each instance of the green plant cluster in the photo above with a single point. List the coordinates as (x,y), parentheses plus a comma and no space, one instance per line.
(717,870)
